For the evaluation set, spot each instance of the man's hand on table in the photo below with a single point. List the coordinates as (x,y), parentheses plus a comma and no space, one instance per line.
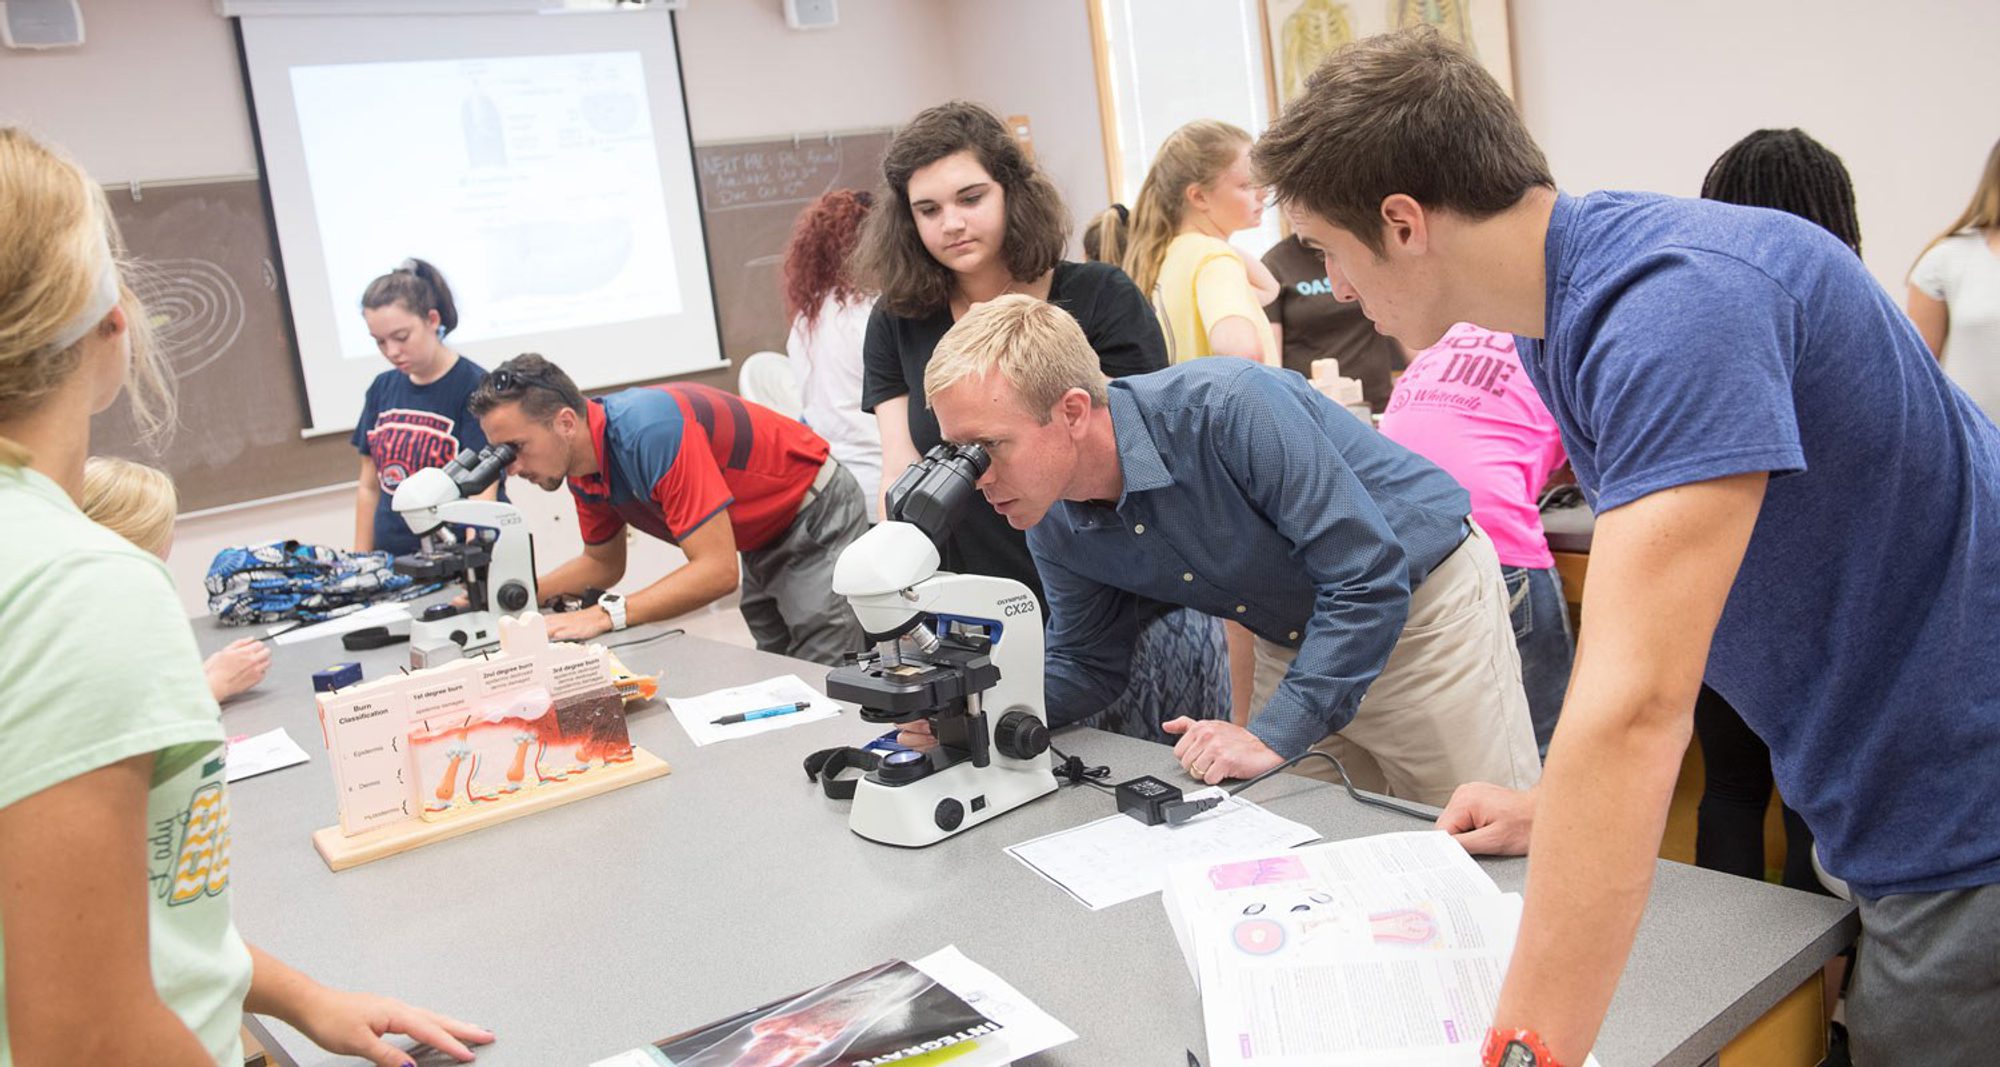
(578,625)
(1490,820)
(1212,750)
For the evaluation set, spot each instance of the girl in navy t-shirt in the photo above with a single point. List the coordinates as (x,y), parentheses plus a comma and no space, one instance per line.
(415,415)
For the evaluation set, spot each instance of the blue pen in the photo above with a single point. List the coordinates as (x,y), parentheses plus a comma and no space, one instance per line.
(761,713)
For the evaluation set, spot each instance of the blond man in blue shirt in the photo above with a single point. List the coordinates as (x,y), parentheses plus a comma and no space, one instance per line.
(1234,489)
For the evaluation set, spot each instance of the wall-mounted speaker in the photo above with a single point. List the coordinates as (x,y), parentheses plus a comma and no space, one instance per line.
(40,23)
(812,14)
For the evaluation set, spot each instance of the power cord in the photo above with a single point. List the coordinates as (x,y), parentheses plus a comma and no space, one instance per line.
(661,636)
(1152,800)
(1385,803)
(1073,771)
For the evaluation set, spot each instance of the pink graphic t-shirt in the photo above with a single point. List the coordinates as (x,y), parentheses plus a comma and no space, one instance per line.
(1466,405)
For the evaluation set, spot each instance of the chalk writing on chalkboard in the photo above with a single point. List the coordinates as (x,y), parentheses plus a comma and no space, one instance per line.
(763,176)
(197,310)
(752,193)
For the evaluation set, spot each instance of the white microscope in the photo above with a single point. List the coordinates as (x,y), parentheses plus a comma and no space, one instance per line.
(962,652)
(481,544)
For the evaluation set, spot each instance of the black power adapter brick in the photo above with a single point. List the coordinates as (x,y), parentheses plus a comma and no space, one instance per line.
(1152,801)
(1146,799)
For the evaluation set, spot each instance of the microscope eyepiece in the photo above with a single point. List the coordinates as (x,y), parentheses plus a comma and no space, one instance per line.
(935,490)
(473,471)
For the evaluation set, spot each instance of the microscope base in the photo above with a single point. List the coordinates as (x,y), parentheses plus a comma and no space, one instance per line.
(945,802)
(437,642)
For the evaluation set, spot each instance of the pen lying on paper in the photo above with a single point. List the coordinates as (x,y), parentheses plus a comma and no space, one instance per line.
(761,713)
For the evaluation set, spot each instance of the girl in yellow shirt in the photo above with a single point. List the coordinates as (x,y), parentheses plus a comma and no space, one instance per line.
(1209,298)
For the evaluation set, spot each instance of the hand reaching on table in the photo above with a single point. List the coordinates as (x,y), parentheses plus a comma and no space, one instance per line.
(1212,750)
(1490,820)
(236,668)
(353,1024)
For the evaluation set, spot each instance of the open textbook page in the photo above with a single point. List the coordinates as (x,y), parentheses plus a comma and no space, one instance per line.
(1384,870)
(1387,950)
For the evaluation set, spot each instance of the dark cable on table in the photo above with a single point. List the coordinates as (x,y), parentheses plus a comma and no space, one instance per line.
(1074,771)
(1386,803)
(1164,804)
(675,632)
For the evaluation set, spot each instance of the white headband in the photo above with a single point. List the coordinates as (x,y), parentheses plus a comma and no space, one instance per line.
(101,302)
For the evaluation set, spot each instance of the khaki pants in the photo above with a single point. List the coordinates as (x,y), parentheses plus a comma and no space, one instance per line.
(1448,707)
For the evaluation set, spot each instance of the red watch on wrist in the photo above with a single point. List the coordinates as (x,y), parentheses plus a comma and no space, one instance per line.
(1515,1048)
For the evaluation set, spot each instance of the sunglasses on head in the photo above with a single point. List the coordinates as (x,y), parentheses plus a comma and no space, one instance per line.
(504,380)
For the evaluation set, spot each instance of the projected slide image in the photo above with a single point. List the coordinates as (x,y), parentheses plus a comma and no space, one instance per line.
(533,182)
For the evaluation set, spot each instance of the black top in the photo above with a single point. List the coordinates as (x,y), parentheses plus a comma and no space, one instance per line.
(1319,326)
(1122,329)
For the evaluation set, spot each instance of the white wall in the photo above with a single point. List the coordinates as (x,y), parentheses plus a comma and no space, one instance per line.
(1646,96)
(1032,57)
(154,93)
(749,75)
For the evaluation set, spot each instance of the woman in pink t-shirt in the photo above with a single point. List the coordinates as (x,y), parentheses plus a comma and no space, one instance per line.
(1466,405)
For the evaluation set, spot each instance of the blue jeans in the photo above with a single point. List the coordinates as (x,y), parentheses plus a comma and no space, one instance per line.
(1541,632)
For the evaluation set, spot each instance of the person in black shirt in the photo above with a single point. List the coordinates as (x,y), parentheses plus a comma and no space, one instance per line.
(1312,323)
(965,217)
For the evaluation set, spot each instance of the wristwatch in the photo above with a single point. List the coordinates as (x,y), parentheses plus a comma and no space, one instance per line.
(1515,1048)
(614,606)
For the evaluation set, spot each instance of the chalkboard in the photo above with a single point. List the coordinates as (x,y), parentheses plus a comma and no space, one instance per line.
(751,193)
(211,288)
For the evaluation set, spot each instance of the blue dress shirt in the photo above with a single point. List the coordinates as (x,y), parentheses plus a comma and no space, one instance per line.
(1250,497)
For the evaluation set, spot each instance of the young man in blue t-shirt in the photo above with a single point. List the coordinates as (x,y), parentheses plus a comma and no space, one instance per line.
(1792,502)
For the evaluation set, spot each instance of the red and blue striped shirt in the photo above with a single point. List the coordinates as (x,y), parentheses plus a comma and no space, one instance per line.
(671,457)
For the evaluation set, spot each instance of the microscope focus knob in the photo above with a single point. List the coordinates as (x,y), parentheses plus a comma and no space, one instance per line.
(1020,735)
(512,596)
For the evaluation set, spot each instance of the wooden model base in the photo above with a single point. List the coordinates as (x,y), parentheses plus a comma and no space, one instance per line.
(341,851)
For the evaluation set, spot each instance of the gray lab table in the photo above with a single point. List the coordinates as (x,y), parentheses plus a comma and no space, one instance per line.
(617,920)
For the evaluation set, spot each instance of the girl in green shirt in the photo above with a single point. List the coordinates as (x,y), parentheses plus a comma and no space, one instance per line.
(116,944)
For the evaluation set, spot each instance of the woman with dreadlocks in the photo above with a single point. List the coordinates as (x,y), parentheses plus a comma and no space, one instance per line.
(1787,171)
(1955,293)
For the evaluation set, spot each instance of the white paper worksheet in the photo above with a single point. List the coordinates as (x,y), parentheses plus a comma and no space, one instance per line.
(697,714)
(1118,858)
(269,751)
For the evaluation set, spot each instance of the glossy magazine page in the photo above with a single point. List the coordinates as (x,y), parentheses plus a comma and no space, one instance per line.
(890,1013)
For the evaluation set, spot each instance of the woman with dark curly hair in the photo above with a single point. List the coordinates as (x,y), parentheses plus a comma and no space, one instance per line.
(966,217)
(829,319)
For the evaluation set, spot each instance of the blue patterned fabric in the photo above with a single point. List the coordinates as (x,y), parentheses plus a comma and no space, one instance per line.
(285,580)
(1180,666)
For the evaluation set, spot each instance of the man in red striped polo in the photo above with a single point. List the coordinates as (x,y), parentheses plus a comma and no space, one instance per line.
(697,467)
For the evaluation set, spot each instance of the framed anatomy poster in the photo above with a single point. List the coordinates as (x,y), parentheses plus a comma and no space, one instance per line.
(1303,32)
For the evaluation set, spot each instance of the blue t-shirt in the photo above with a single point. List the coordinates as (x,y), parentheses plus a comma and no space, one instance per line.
(407,427)
(1690,340)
